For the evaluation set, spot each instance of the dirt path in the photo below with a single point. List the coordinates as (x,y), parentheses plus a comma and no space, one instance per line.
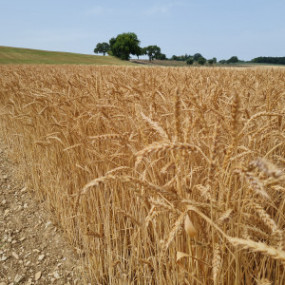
(32,249)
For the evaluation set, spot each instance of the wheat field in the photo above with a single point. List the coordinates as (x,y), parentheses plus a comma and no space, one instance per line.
(156,175)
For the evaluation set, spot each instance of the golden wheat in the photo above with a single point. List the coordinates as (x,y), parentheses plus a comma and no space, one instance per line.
(156,175)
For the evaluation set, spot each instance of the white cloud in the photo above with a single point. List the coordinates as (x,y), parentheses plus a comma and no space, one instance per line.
(162,8)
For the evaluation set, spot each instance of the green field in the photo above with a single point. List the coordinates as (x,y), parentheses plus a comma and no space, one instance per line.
(11,55)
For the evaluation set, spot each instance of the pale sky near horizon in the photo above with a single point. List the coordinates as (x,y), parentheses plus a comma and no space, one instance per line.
(217,28)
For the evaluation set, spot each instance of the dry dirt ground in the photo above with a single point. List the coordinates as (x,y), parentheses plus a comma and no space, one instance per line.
(32,249)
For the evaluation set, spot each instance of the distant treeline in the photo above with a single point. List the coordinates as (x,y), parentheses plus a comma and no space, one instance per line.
(271,60)
(127,44)
(233,60)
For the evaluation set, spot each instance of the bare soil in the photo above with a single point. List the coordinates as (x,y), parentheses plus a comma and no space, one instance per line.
(32,248)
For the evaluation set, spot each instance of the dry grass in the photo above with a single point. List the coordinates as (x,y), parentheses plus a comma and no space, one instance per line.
(157,175)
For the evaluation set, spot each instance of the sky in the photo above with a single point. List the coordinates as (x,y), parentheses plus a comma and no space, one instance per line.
(214,28)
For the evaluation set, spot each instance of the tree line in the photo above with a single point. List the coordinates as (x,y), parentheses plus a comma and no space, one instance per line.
(269,60)
(127,44)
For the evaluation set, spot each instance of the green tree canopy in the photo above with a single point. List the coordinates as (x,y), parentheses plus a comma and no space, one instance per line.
(210,61)
(190,61)
(196,56)
(102,48)
(269,60)
(201,60)
(161,56)
(124,45)
(152,51)
(140,51)
(233,59)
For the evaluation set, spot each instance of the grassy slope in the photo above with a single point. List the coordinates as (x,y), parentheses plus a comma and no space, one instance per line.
(13,55)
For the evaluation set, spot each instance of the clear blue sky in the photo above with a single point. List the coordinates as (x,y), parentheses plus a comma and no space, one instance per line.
(214,28)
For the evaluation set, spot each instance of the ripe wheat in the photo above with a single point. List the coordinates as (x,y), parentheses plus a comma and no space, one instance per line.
(156,175)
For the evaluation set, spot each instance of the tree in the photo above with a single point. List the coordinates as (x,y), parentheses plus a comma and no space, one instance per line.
(190,61)
(233,59)
(196,56)
(102,48)
(269,60)
(124,45)
(184,57)
(201,60)
(210,61)
(152,51)
(112,41)
(139,52)
(161,56)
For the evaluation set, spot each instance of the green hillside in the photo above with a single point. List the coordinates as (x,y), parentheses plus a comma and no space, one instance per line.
(11,55)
